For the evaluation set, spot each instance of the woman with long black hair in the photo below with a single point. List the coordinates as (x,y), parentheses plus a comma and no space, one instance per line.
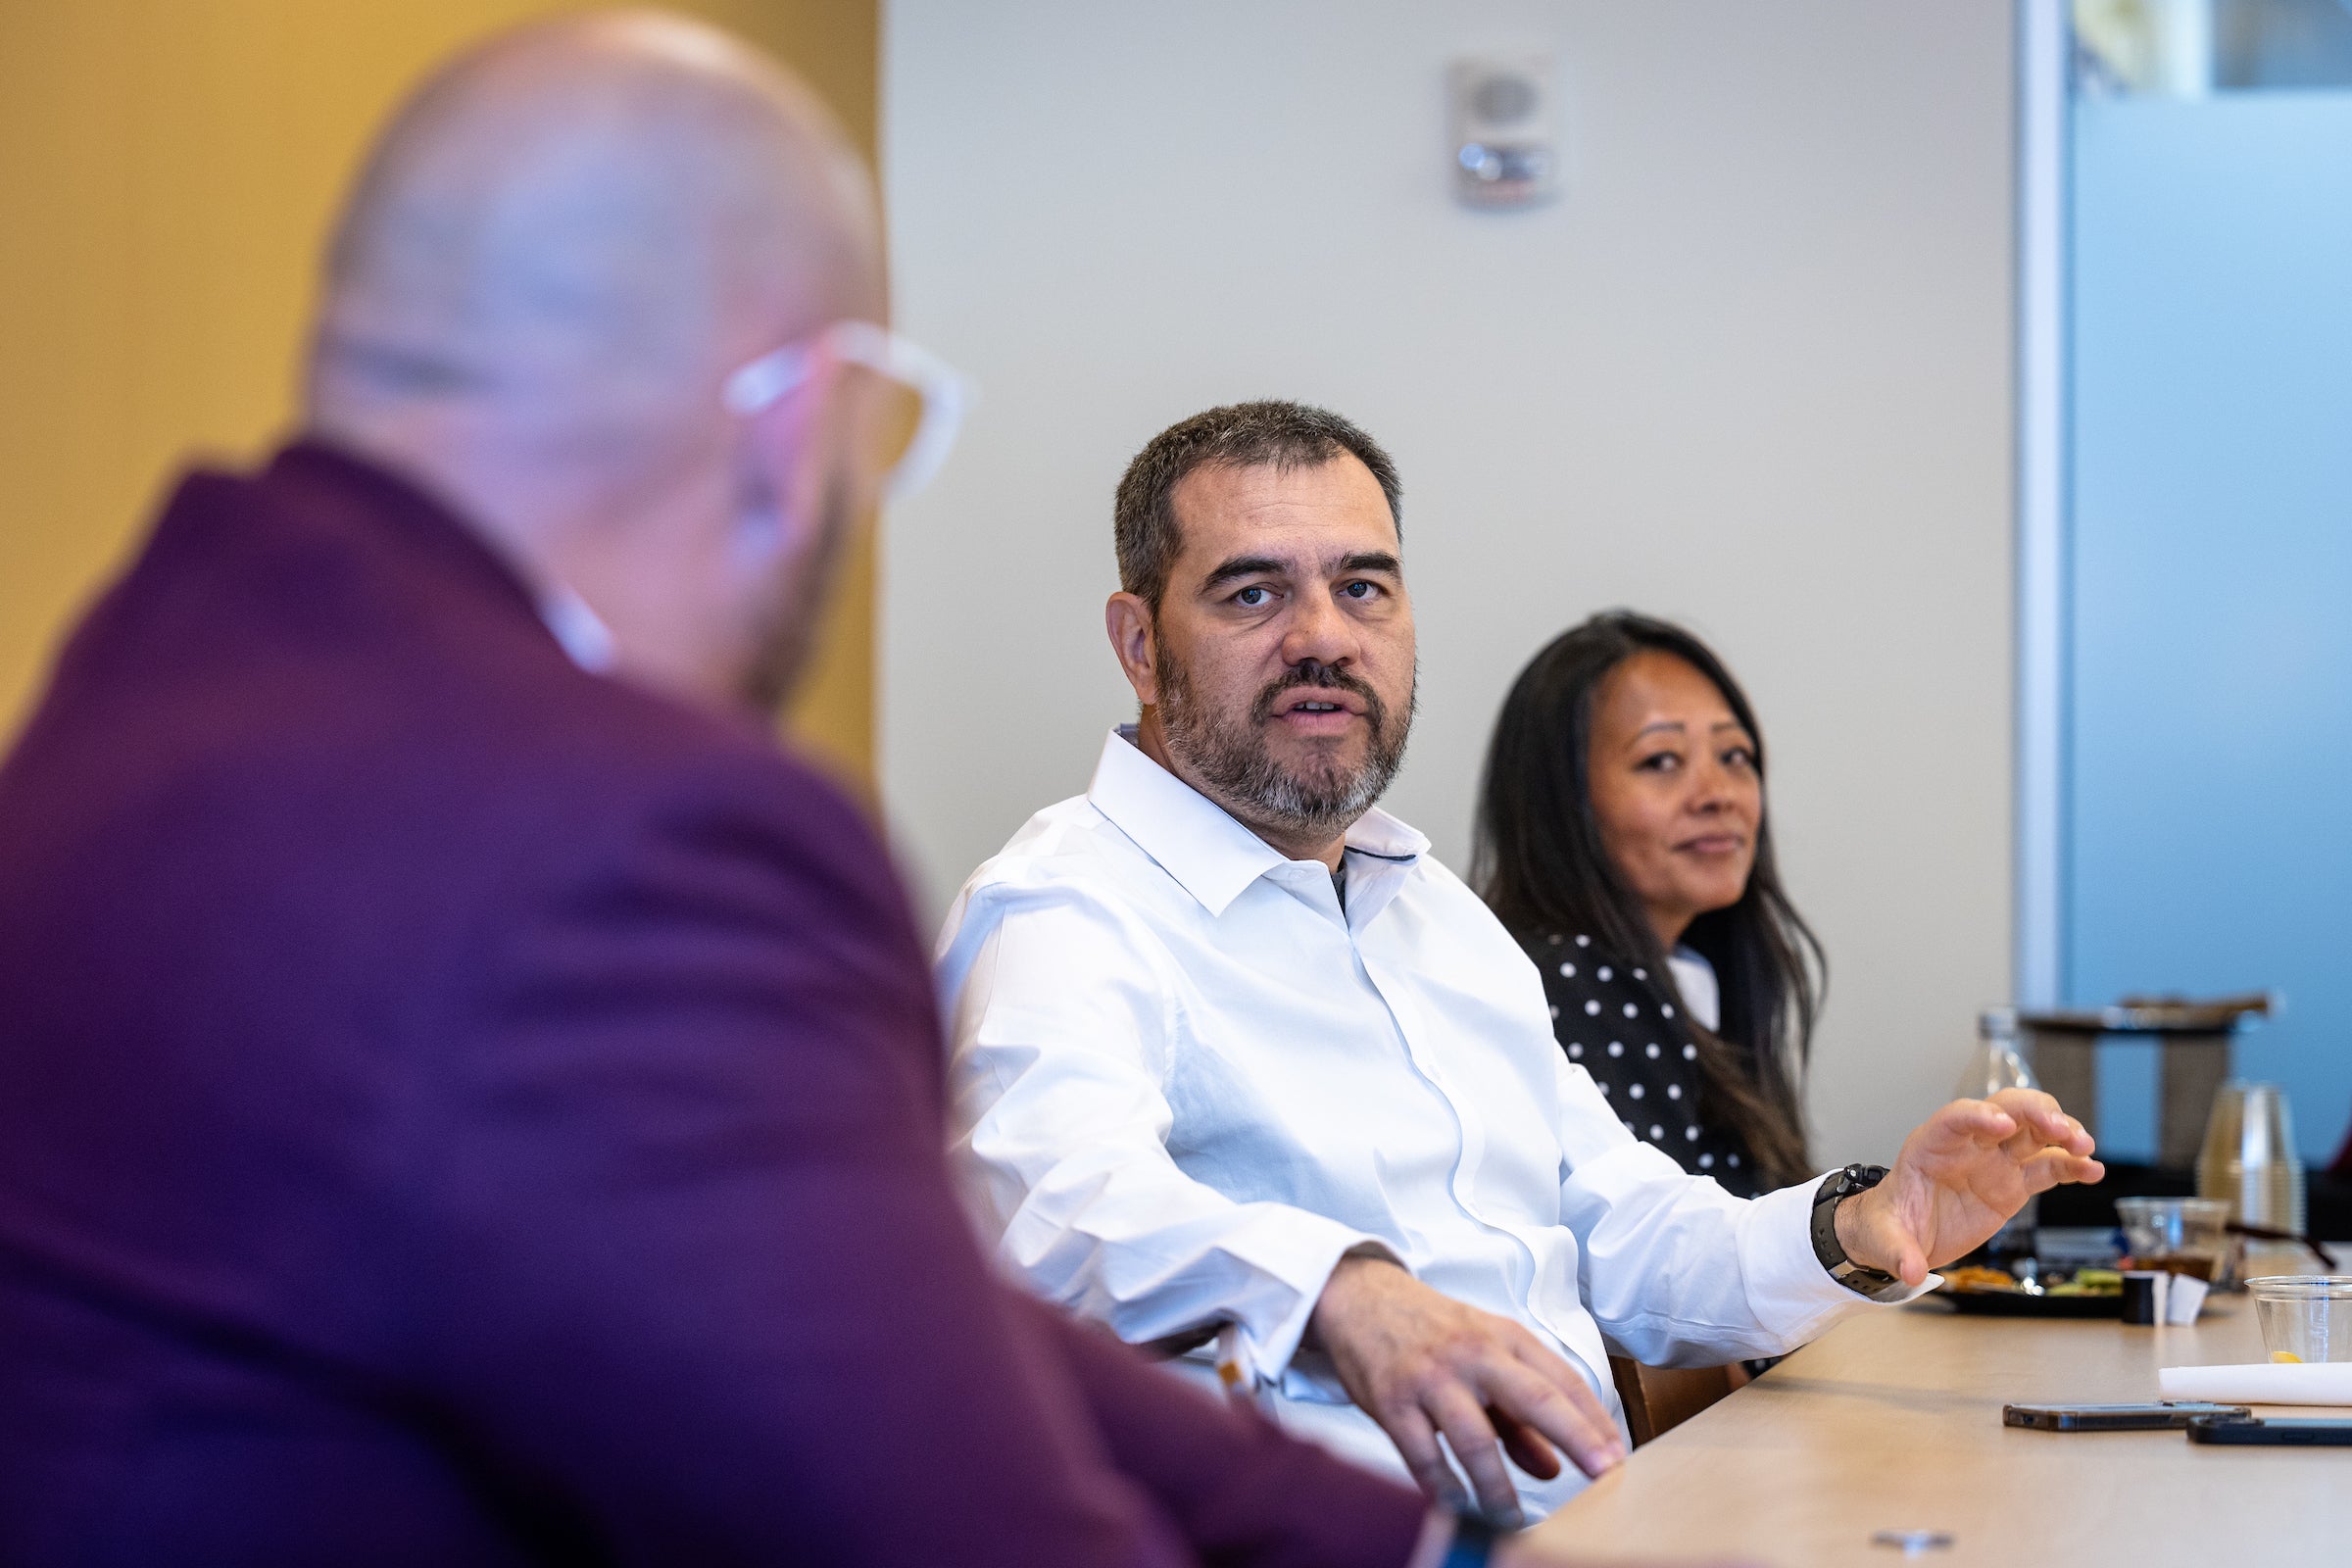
(1622,838)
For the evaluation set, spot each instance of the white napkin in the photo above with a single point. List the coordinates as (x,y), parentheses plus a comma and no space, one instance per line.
(2261,1383)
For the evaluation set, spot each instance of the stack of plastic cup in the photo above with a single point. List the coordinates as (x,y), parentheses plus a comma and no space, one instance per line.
(2249,1159)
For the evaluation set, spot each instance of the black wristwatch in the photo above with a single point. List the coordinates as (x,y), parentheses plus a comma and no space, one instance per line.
(1473,1543)
(1875,1283)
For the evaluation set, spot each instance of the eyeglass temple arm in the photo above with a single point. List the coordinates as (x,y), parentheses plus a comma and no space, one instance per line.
(945,393)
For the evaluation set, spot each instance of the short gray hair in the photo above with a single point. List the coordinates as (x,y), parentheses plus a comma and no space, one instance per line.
(1239,435)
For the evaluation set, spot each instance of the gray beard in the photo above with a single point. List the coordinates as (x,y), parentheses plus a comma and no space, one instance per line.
(788,632)
(1233,762)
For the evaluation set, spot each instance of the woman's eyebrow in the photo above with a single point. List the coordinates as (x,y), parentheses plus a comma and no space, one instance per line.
(1663,723)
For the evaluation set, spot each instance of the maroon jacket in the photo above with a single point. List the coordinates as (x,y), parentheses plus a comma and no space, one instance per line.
(459,1109)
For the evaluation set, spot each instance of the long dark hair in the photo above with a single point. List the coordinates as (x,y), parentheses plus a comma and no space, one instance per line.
(1539,862)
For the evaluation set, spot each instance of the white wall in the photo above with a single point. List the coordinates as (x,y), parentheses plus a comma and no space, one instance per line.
(1751,373)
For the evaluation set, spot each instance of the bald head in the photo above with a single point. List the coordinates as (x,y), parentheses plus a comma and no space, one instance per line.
(576,223)
(560,250)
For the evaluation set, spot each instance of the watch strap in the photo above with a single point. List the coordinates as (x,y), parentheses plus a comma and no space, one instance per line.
(1473,1543)
(1875,1284)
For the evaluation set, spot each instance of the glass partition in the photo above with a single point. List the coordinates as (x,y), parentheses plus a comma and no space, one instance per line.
(2204,661)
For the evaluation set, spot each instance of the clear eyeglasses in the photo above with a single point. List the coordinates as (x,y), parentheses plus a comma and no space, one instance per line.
(910,403)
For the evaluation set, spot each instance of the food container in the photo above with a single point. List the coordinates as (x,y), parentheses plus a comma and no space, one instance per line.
(2176,1235)
(2304,1317)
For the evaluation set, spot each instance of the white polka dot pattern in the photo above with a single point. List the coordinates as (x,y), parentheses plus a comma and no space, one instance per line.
(1655,1073)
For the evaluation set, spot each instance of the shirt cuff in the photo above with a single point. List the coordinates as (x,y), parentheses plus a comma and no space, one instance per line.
(1786,1286)
(1270,1350)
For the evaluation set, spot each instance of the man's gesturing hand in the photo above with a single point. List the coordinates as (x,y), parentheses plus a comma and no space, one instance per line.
(1421,1363)
(1961,1174)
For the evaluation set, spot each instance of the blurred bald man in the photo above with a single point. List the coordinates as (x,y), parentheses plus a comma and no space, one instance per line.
(466,1096)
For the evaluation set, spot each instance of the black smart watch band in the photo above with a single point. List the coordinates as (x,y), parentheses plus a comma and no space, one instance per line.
(1473,1543)
(1876,1284)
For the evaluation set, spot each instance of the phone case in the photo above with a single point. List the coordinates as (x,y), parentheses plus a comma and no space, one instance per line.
(2283,1434)
(2117,1417)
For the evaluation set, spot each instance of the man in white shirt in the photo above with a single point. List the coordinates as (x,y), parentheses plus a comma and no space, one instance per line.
(1233,1052)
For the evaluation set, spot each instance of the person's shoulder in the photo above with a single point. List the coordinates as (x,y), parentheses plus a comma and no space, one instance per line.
(1071,844)
(617,761)
(1069,859)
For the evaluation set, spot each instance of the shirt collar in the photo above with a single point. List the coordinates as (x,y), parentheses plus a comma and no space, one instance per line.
(582,630)
(1197,841)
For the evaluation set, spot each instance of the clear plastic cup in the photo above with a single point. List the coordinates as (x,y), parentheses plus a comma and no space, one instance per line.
(2176,1235)
(2304,1317)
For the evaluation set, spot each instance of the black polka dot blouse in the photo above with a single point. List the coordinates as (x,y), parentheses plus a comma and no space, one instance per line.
(1615,1021)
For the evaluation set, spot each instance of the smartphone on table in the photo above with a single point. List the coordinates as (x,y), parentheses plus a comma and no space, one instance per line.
(2155,1417)
(2284,1432)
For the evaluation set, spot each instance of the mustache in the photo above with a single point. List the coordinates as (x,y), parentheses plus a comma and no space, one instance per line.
(1323,677)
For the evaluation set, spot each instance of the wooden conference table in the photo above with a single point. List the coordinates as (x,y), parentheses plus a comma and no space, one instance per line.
(1892,1421)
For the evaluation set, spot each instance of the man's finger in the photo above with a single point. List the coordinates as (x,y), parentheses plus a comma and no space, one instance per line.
(1554,1369)
(1524,1443)
(1571,1417)
(1459,1416)
(2039,1110)
(1992,1124)
(2049,1167)
(1883,1234)
(1417,1441)
(1966,1123)
(2069,1134)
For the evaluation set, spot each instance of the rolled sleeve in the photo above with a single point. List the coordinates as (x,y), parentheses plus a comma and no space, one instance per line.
(1656,1242)
(1787,1285)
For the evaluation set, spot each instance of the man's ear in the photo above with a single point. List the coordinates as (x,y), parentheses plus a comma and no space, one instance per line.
(782,476)
(1128,620)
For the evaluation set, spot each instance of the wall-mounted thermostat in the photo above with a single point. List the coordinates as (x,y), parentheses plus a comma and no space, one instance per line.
(1506,130)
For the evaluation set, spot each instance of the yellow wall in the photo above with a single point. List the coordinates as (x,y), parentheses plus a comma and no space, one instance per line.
(168,168)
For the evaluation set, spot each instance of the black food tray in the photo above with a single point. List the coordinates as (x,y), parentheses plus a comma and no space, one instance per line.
(2017,1303)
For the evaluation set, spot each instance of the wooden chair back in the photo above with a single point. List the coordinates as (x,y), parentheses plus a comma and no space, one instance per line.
(1659,1398)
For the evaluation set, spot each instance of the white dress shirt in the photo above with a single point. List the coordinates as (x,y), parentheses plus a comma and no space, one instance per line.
(1186,1082)
(1695,978)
